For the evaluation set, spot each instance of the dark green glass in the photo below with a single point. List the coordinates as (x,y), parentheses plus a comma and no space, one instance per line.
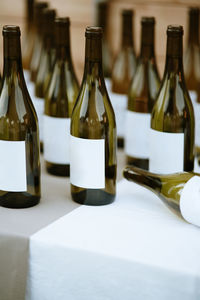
(93,119)
(173,111)
(18,121)
(122,72)
(102,21)
(35,58)
(45,68)
(61,96)
(141,97)
(192,68)
(171,189)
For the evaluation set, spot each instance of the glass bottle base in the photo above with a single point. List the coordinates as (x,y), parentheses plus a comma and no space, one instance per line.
(138,162)
(18,200)
(58,169)
(93,197)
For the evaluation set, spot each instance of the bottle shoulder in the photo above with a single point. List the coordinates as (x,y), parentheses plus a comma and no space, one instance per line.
(62,92)
(173,108)
(123,70)
(93,111)
(16,107)
(144,86)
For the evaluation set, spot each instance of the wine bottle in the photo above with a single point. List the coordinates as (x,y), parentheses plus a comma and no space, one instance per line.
(192,69)
(93,132)
(172,120)
(45,67)
(38,19)
(141,98)
(102,20)
(123,70)
(19,142)
(28,42)
(179,191)
(59,102)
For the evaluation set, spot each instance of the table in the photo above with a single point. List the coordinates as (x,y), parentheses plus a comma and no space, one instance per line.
(126,256)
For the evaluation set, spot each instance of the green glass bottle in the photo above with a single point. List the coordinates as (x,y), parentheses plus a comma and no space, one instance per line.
(122,73)
(93,132)
(45,68)
(28,42)
(192,68)
(172,122)
(59,102)
(102,21)
(38,19)
(19,142)
(141,98)
(179,191)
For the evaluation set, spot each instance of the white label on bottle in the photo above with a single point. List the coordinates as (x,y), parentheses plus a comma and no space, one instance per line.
(108,84)
(166,152)
(190,201)
(39,107)
(193,96)
(197,123)
(87,162)
(137,134)
(31,90)
(13,166)
(56,139)
(26,76)
(119,103)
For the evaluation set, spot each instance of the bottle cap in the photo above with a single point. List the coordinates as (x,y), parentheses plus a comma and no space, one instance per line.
(174,30)
(147,20)
(11,30)
(127,12)
(93,32)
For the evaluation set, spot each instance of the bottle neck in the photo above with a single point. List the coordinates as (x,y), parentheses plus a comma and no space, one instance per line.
(63,53)
(147,42)
(174,56)
(93,58)
(143,178)
(12,55)
(127,32)
(193,34)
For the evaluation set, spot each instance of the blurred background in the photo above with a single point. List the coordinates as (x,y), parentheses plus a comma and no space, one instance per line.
(83,13)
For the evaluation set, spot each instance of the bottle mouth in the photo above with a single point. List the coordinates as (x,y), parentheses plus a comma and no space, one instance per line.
(11,30)
(93,32)
(194,10)
(147,20)
(62,21)
(127,12)
(175,30)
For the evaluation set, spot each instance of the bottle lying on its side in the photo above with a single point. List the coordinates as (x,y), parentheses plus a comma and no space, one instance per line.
(179,191)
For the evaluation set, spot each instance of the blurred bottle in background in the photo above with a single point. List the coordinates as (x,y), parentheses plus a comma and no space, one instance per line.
(28,41)
(122,73)
(172,120)
(141,98)
(102,21)
(38,18)
(45,67)
(60,99)
(192,68)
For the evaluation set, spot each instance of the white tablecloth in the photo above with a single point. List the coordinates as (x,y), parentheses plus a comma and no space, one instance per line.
(134,248)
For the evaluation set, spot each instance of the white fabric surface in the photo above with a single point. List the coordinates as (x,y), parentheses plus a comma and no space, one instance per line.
(134,248)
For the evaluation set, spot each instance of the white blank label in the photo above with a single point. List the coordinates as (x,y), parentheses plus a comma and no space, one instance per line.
(87,162)
(13,166)
(39,107)
(56,139)
(137,134)
(119,103)
(166,152)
